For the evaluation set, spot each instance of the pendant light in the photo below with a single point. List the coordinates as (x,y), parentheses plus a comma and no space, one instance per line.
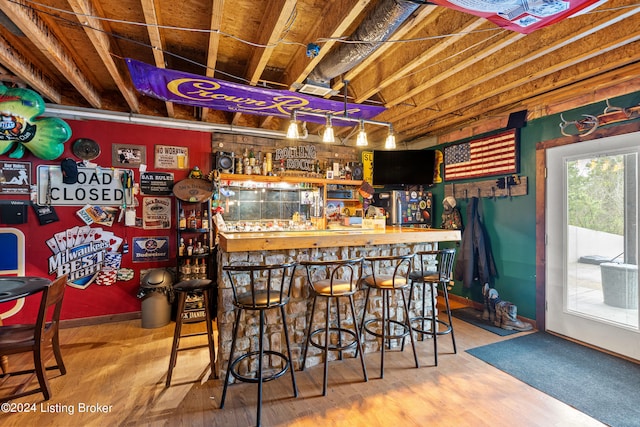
(292,131)
(361,141)
(328,136)
(390,142)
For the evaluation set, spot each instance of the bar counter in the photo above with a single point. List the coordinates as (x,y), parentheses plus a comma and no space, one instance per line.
(260,241)
(288,246)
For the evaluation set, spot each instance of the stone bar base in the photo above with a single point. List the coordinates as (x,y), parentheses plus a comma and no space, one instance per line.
(299,307)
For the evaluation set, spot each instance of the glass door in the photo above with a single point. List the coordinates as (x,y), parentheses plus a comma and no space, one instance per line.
(592,243)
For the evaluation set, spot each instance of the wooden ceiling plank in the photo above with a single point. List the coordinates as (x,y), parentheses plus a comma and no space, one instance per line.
(98,36)
(338,18)
(424,16)
(423,99)
(596,63)
(22,67)
(271,28)
(157,42)
(535,49)
(44,38)
(217,8)
(397,70)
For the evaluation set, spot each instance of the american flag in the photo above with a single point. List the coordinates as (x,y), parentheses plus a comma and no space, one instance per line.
(494,155)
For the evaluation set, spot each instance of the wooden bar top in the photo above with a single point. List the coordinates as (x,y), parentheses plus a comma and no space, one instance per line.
(265,241)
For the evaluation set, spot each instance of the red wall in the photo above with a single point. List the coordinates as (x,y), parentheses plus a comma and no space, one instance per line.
(121,297)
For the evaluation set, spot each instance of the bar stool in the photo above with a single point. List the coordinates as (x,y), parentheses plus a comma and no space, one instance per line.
(333,280)
(442,275)
(386,283)
(203,286)
(267,287)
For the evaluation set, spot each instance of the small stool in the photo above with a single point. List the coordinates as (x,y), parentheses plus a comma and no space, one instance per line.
(333,280)
(442,275)
(183,288)
(379,279)
(267,287)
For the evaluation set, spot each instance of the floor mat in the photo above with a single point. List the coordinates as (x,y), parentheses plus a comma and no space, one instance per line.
(473,316)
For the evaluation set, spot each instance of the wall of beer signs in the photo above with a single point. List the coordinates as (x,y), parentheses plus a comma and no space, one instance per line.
(103,230)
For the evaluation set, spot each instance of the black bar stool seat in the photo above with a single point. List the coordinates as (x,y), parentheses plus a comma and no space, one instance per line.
(198,286)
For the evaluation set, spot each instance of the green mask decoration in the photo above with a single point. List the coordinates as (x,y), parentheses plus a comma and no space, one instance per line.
(20,127)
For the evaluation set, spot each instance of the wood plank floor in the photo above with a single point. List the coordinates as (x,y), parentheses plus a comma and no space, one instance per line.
(121,368)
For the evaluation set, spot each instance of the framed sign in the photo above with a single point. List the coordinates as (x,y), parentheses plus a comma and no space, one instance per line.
(124,155)
(15,177)
(171,157)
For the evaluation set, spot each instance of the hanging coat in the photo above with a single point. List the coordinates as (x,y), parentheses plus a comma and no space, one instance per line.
(475,261)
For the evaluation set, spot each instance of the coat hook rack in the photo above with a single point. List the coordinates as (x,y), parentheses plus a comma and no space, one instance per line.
(506,186)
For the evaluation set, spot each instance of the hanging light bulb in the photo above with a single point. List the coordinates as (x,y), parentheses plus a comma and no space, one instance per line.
(390,142)
(328,136)
(292,131)
(361,141)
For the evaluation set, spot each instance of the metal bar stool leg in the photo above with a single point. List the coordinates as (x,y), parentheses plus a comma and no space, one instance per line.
(385,305)
(446,301)
(327,333)
(286,338)
(413,344)
(233,348)
(359,349)
(260,357)
(310,324)
(434,323)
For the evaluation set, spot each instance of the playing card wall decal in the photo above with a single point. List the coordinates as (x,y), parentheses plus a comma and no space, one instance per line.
(21,128)
(82,252)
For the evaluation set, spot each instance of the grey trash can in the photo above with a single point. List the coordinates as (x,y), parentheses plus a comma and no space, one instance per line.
(156,293)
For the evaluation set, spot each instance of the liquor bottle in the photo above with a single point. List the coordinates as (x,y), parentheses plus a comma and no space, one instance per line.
(205,220)
(199,250)
(190,248)
(186,270)
(182,221)
(191,221)
(182,247)
(203,269)
(198,219)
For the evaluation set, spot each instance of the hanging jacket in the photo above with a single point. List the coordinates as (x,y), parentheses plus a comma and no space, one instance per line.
(475,260)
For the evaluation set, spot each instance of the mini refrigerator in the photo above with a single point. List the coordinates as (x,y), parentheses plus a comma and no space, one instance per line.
(406,207)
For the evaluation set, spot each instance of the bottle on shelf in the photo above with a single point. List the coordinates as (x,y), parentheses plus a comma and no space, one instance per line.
(182,221)
(205,220)
(198,219)
(191,221)
(182,248)
(190,248)
(186,270)
(202,271)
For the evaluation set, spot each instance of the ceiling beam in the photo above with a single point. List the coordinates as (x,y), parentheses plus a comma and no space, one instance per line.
(156,39)
(21,66)
(97,33)
(217,7)
(272,26)
(44,37)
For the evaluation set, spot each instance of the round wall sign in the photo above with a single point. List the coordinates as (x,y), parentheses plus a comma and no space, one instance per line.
(193,190)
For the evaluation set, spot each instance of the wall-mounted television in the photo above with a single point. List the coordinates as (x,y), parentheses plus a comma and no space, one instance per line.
(403,167)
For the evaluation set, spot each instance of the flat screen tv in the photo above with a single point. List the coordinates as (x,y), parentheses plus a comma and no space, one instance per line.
(403,167)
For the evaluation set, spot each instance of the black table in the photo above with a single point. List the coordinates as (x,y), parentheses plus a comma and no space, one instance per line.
(12,288)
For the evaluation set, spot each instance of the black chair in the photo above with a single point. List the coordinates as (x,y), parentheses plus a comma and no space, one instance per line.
(35,338)
(389,274)
(183,289)
(435,268)
(260,288)
(332,280)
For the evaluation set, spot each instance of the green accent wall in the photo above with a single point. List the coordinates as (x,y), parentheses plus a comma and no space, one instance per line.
(511,222)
